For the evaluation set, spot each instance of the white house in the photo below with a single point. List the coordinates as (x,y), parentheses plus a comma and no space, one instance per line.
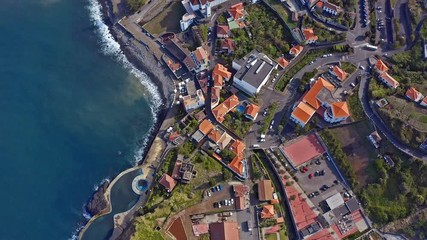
(330,8)
(413,94)
(253,72)
(186,21)
(193,102)
(200,59)
(337,112)
(388,80)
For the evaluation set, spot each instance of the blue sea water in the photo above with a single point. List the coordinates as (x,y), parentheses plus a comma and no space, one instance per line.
(72,112)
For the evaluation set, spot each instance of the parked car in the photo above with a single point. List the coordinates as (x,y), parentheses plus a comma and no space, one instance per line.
(352,85)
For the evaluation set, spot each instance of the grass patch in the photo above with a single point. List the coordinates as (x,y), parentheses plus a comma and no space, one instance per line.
(167,20)
(268,35)
(356,109)
(238,123)
(270,114)
(348,67)
(162,205)
(283,12)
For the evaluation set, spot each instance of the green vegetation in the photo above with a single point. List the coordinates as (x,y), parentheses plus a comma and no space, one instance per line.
(268,35)
(378,90)
(405,120)
(256,173)
(238,123)
(321,31)
(398,191)
(409,69)
(227,155)
(221,19)
(306,59)
(203,28)
(161,205)
(357,113)
(306,78)
(418,227)
(336,150)
(168,162)
(136,4)
(270,114)
(187,149)
(284,13)
(167,20)
(348,67)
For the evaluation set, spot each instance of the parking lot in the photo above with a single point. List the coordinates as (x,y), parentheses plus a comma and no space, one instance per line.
(314,184)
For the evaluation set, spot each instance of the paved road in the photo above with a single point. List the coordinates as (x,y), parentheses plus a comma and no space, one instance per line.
(376,120)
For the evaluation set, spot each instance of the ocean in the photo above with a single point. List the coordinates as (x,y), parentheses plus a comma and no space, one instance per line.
(73,112)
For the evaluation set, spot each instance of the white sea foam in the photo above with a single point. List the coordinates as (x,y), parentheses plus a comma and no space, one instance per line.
(109,46)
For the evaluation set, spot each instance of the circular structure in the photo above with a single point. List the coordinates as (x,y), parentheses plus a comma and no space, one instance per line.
(139,184)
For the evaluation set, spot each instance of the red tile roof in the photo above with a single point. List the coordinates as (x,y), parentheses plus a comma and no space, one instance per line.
(201,54)
(236,164)
(341,75)
(413,94)
(389,79)
(167,182)
(267,211)
(227,43)
(205,126)
(252,110)
(237,11)
(215,135)
(381,66)
(177,229)
(222,29)
(309,34)
(221,110)
(282,62)
(224,231)
(265,190)
(295,50)
(311,96)
(340,109)
(303,112)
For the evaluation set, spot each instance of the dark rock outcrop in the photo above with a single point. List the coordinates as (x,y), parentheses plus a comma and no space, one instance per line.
(97,202)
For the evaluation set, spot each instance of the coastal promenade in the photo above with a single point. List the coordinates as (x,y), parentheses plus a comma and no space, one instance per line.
(158,149)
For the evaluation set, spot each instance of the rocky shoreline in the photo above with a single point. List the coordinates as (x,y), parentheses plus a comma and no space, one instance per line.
(140,57)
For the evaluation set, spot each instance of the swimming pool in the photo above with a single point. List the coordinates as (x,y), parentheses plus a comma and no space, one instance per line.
(241,108)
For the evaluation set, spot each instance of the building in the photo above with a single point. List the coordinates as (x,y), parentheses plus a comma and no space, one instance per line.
(338,73)
(267,211)
(241,193)
(193,102)
(265,190)
(252,111)
(413,94)
(296,50)
(388,80)
(330,8)
(186,21)
(200,58)
(219,137)
(167,182)
(375,139)
(204,6)
(319,99)
(237,12)
(219,74)
(337,112)
(182,55)
(282,62)
(221,110)
(253,72)
(222,31)
(237,16)
(302,113)
(205,127)
(424,102)
(237,164)
(227,45)
(309,35)
(381,66)
(224,231)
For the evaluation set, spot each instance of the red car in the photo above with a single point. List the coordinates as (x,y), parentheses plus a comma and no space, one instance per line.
(310,176)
